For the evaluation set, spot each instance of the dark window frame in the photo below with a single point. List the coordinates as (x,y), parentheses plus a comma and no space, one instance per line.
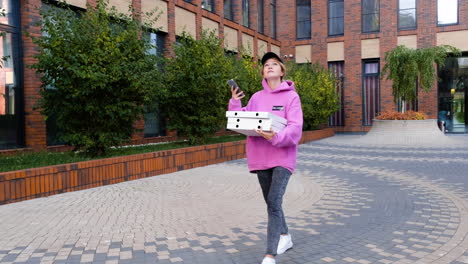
(364,75)
(304,21)
(450,24)
(329,18)
(415,17)
(365,14)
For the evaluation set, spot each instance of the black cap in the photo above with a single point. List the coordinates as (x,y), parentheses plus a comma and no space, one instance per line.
(270,55)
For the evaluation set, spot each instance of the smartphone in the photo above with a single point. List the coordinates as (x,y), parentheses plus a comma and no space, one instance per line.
(233,83)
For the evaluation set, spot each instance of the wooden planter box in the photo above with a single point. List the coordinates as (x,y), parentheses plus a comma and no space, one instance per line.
(39,182)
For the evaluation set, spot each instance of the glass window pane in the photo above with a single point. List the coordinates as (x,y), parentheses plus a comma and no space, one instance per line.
(245,13)
(447,12)
(227,9)
(407,18)
(303,29)
(260,17)
(208,5)
(336,9)
(6,5)
(370,23)
(336,26)
(303,13)
(8,87)
(371,68)
(370,6)
(406,4)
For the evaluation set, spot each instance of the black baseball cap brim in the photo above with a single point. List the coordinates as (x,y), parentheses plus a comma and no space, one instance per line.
(270,55)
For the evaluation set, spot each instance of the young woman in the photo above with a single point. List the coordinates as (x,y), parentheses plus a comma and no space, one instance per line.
(272,156)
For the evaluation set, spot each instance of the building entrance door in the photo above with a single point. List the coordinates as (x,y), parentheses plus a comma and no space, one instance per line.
(453,95)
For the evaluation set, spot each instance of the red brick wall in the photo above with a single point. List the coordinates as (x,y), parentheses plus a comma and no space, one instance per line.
(35,129)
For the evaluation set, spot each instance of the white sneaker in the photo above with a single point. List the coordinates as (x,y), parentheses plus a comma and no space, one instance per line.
(284,244)
(267,260)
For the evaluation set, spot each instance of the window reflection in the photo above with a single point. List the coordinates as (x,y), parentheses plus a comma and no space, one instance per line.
(6,9)
(7,77)
(447,12)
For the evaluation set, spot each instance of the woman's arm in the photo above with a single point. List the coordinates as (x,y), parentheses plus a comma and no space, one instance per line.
(292,133)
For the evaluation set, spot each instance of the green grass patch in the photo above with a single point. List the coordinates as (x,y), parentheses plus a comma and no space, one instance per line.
(40,159)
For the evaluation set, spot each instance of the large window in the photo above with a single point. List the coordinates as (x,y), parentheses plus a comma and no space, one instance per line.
(11,93)
(335,17)
(303,19)
(228,9)
(447,12)
(260,16)
(273,18)
(245,13)
(406,14)
(371,91)
(154,118)
(337,69)
(208,5)
(370,16)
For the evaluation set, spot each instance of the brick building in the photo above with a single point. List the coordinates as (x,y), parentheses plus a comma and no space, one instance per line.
(350,37)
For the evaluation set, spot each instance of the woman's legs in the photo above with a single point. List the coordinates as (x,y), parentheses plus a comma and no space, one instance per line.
(273,183)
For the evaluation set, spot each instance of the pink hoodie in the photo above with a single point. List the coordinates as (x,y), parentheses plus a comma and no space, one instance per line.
(281,150)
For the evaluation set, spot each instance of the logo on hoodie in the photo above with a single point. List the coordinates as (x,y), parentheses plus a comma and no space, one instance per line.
(277,108)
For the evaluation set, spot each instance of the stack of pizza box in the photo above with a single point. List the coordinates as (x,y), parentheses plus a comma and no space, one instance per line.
(245,122)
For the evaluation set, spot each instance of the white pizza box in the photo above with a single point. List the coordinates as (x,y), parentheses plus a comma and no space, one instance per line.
(250,132)
(252,114)
(246,122)
(251,123)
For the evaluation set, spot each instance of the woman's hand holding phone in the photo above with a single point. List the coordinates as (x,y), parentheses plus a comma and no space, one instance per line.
(237,93)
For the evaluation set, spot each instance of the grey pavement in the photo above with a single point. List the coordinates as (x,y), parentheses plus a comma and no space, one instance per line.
(348,202)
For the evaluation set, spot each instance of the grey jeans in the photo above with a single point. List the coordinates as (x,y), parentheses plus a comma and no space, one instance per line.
(273,182)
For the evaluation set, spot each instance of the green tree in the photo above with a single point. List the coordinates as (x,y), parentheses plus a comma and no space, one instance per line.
(408,67)
(195,95)
(96,75)
(316,88)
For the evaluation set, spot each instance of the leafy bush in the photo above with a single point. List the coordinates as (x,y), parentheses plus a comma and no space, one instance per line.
(96,75)
(409,115)
(316,88)
(195,94)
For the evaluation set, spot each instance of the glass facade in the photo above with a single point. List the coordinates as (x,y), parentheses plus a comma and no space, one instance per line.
(453,94)
(11,93)
(154,119)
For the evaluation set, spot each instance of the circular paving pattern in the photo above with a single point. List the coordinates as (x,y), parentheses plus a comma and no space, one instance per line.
(345,204)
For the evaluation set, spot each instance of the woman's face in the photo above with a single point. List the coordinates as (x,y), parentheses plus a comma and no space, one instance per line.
(272,69)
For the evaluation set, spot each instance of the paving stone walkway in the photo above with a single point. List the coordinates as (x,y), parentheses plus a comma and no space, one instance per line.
(346,203)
